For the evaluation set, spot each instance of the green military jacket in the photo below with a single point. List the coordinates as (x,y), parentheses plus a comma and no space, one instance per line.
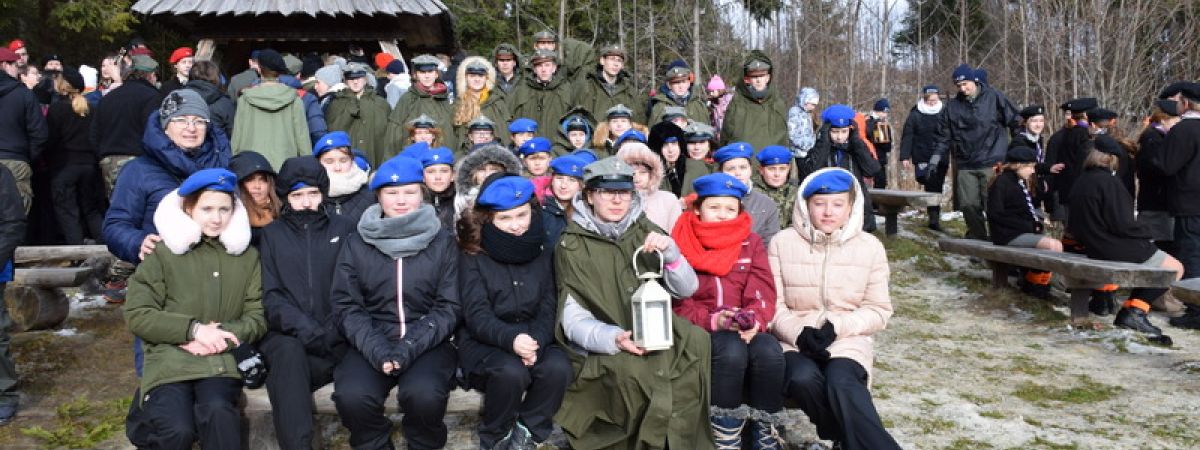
(411,105)
(784,196)
(759,122)
(591,94)
(695,106)
(494,108)
(545,103)
(365,119)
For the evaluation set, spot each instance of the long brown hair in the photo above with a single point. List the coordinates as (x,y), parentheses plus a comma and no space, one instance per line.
(1013,166)
(470,225)
(208,71)
(258,214)
(437,136)
(1118,134)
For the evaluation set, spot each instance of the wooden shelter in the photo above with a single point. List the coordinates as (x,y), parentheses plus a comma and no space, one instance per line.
(233,28)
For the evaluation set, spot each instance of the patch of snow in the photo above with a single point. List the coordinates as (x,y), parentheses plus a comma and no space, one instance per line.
(66,332)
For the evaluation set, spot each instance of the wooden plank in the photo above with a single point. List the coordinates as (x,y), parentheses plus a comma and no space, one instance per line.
(52,277)
(893,197)
(1187,291)
(460,401)
(58,253)
(1078,267)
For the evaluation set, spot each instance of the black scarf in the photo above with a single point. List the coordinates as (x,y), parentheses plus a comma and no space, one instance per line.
(510,249)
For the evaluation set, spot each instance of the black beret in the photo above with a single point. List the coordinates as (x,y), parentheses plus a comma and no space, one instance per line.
(73,77)
(1020,154)
(1079,105)
(1033,110)
(1109,146)
(1187,88)
(1168,107)
(1095,114)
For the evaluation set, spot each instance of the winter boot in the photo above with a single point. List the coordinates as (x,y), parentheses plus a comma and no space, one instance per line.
(935,217)
(1189,319)
(727,432)
(1036,284)
(1103,300)
(765,436)
(1167,303)
(1133,315)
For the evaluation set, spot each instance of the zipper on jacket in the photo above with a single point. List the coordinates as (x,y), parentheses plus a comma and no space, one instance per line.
(400,294)
(825,279)
(720,292)
(308,266)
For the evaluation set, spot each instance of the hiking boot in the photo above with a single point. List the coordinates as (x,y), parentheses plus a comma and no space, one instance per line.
(1039,291)
(1188,320)
(764,436)
(727,432)
(520,438)
(114,291)
(1168,304)
(1103,303)
(1136,320)
(7,413)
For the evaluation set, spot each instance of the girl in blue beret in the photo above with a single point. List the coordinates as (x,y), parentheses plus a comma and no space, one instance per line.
(506,346)
(195,302)
(840,145)
(827,327)
(348,193)
(734,303)
(395,292)
(566,181)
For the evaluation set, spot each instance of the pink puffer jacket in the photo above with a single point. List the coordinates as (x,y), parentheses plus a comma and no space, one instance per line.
(841,278)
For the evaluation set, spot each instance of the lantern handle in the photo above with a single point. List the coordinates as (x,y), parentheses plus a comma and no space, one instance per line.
(637,252)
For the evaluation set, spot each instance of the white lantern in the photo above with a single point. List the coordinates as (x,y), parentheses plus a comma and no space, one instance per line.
(651,306)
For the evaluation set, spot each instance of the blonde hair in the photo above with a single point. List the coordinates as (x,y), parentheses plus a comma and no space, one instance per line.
(470,101)
(1097,158)
(79,104)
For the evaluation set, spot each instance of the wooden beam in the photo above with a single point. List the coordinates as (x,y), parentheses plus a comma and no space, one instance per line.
(58,253)
(1187,291)
(47,277)
(1083,271)
(893,197)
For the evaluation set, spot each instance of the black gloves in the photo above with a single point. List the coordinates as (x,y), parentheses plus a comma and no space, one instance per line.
(250,365)
(814,343)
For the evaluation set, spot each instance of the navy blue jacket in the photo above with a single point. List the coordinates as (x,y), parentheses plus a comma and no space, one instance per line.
(23,129)
(145,180)
(978,130)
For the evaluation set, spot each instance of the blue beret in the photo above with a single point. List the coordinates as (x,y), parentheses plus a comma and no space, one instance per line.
(774,154)
(398,171)
(298,185)
(732,151)
(437,155)
(963,73)
(838,116)
(568,165)
(360,160)
(931,89)
(629,135)
(882,105)
(719,185)
(416,150)
(212,179)
(536,145)
(505,193)
(523,125)
(586,156)
(833,181)
(331,141)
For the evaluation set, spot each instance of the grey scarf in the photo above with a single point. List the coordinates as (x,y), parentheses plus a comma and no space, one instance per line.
(586,218)
(399,237)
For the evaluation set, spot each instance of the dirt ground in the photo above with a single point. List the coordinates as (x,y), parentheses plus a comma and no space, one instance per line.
(961,366)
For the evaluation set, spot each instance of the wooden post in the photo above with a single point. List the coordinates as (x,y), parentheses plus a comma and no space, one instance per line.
(204,50)
(35,308)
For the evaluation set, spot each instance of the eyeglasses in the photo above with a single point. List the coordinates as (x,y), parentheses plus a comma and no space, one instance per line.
(186,122)
(614,194)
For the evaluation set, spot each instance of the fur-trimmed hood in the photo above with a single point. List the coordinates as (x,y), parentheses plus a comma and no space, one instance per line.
(179,232)
(803,224)
(476,159)
(638,153)
(460,80)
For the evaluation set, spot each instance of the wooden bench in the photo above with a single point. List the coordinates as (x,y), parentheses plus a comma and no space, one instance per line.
(35,297)
(891,202)
(1079,273)
(1187,291)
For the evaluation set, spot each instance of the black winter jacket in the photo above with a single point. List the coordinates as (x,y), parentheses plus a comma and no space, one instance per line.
(22,127)
(554,221)
(1101,218)
(856,157)
(120,118)
(924,135)
(12,220)
(68,141)
(364,296)
(1153,184)
(1181,162)
(350,206)
(978,130)
(1125,169)
(444,205)
(299,252)
(501,301)
(1008,213)
(221,109)
(1068,150)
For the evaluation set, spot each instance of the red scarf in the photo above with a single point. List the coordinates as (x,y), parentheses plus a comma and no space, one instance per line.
(711,247)
(437,88)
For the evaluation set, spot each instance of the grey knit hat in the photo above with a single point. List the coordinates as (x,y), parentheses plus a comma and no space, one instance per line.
(330,74)
(181,102)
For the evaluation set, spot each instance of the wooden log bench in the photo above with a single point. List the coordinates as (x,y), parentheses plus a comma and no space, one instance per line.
(891,201)
(35,297)
(1187,291)
(1080,274)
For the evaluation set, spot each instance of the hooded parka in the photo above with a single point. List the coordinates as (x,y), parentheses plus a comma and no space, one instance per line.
(364,117)
(271,120)
(494,106)
(759,119)
(412,105)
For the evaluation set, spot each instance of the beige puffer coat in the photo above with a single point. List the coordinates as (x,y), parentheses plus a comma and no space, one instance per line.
(841,278)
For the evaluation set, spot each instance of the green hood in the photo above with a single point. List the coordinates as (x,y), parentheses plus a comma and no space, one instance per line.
(269,96)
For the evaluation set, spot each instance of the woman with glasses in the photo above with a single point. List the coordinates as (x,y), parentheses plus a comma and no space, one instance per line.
(624,396)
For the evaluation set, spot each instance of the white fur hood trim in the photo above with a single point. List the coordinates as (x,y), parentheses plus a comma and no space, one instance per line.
(179,232)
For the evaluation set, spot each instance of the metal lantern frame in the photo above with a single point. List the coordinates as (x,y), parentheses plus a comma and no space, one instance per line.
(651,310)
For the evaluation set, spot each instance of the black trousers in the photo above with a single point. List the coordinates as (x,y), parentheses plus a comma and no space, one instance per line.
(504,380)
(423,389)
(744,373)
(175,414)
(834,395)
(293,376)
(1187,244)
(934,178)
(78,202)
(881,177)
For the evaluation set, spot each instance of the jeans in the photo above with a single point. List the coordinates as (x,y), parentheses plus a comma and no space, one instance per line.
(744,373)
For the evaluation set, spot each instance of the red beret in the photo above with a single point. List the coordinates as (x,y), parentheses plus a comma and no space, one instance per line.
(180,53)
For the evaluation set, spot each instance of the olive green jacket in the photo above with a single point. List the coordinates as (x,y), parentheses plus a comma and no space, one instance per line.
(205,284)
(695,107)
(624,401)
(365,119)
(591,94)
(411,105)
(760,122)
(494,108)
(544,103)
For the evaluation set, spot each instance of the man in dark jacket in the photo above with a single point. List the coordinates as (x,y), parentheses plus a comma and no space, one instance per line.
(978,121)
(120,119)
(299,251)
(1180,160)
(508,67)
(12,230)
(22,127)
(609,85)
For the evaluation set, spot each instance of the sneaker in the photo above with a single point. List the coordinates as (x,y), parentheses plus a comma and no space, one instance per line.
(114,291)
(1102,303)
(521,439)
(7,412)
(1137,320)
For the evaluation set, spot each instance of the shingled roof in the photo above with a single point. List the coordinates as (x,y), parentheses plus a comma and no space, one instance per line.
(312,8)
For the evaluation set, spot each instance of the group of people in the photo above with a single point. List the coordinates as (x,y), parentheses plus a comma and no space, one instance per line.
(292,231)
